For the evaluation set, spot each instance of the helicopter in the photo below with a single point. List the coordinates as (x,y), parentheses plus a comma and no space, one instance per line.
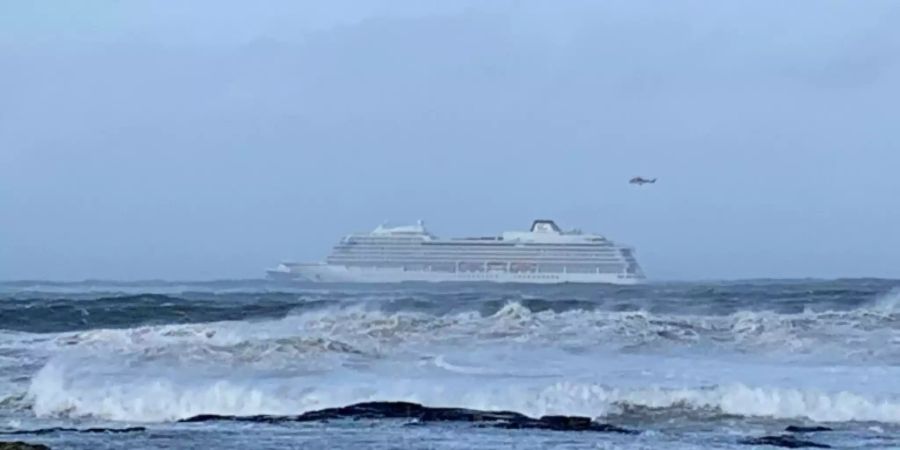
(640,181)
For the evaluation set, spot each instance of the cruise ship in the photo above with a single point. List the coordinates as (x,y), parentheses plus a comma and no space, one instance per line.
(545,254)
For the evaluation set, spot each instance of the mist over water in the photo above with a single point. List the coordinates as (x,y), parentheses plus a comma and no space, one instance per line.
(692,361)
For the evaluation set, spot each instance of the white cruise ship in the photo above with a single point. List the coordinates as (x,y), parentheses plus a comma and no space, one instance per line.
(544,254)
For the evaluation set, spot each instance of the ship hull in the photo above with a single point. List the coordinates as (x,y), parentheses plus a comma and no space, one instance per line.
(329,273)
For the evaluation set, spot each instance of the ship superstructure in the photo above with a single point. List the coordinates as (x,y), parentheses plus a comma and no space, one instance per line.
(543,254)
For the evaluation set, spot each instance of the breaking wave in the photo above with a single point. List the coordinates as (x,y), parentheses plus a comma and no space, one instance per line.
(282,354)
(860,334)
(888,303)
(53,393)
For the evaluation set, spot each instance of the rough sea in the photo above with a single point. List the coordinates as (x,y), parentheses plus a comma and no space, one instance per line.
(711,365)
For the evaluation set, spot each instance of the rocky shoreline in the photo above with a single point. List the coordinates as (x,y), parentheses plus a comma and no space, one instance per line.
(414,414)
(22,446)
(424,414)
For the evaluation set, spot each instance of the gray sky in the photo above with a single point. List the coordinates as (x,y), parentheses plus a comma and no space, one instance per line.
(206,139)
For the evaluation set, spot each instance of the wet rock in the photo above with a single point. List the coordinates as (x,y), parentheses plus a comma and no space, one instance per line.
(468,415)
(22,446)
(375,411)
(425,414)
(567,422)
(221,418)
(113,430)
(74,430)
(785,441)
(805,429)
(563,423)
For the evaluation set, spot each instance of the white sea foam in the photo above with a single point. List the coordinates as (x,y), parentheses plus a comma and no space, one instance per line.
(58,390)
(441,362)
(570,362)
(864,334)
(888,303)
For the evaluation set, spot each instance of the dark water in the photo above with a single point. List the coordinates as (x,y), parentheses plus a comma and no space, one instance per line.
(689,365)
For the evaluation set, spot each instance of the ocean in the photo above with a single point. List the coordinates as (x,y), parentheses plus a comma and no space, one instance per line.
(253,364)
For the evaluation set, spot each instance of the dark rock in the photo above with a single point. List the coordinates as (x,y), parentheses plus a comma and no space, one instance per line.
(22,446)
(207,418)
(377,410)
(469,415)
(573,422)
(222,418)
(368,410)
(74,430)
(112,430)
(424,415)
(785,440)
(563,423)
(802,429)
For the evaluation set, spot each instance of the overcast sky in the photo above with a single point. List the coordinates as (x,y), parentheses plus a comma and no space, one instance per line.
(209,139)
